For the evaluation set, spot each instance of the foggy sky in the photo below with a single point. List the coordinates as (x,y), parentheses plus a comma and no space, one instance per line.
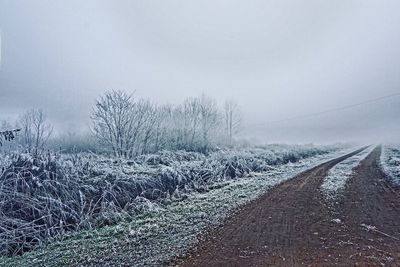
(278,59)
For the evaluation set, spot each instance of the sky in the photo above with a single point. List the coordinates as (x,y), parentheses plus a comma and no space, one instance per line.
(278,59)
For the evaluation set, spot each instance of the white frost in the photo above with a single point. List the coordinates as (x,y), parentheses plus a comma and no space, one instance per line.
(335,182)
(390,160)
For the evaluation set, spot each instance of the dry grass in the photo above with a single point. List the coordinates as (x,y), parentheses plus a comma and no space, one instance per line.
(43,197)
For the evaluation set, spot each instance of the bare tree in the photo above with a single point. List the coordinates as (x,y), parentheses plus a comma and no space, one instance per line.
(232,118)
(209,118)
(113,121)
(35,130)
(132,128)
(162,127)
(147,114)
(192,119)
(193,125)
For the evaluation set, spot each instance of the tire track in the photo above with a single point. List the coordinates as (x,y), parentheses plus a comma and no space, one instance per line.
(370,211)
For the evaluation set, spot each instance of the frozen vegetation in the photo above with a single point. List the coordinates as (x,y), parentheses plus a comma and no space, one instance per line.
(335,182)
(391,162)
(150,208)
(141,160)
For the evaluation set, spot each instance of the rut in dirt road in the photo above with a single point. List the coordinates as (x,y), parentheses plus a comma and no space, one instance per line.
(291,225)
(370,211)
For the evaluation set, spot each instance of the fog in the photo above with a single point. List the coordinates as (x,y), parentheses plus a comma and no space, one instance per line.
(283,61)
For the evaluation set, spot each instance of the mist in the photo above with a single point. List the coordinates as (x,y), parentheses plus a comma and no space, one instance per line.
(278,59)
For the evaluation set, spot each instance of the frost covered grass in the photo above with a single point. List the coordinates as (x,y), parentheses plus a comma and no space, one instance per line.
(335,182)
(390,159)
(163,231)
(46,197)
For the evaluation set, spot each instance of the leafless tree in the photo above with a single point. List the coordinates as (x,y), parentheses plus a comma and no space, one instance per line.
(113,120)
(192,119)
(193,124)
(36,131)
(146,129)
(162,128)
(232,119)
(209,118)
(133,127)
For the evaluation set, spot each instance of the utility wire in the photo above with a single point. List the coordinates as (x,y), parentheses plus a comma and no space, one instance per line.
(336,109)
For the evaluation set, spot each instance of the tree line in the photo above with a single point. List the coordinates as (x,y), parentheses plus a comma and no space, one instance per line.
(127,126)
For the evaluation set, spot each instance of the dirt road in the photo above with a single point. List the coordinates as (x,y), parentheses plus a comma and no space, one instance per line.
(292,225)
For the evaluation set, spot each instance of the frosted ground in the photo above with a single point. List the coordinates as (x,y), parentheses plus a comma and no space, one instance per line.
(165,228)
(334,183)
(390,159)
(50,195)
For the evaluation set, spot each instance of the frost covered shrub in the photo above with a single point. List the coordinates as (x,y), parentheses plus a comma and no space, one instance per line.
(46,196)
(391,162)
(36,202)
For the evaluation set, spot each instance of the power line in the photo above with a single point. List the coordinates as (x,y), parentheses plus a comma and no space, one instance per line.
(336,109)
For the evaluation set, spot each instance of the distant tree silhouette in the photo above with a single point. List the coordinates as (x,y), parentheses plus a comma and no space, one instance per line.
(35,130)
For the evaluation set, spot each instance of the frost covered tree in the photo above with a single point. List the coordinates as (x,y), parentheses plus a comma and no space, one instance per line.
(232,119)
(36,131)
(193,124)
(127,126)
(162,128)
(113,120)
(192,121)
(184,124)
(145,128)
(130,127)
(209,119)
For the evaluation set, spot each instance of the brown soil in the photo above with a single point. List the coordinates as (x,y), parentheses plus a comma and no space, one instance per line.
(292,225)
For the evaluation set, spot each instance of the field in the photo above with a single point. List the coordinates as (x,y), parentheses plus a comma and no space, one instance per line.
(199,133)
(156,209)
(55,196)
